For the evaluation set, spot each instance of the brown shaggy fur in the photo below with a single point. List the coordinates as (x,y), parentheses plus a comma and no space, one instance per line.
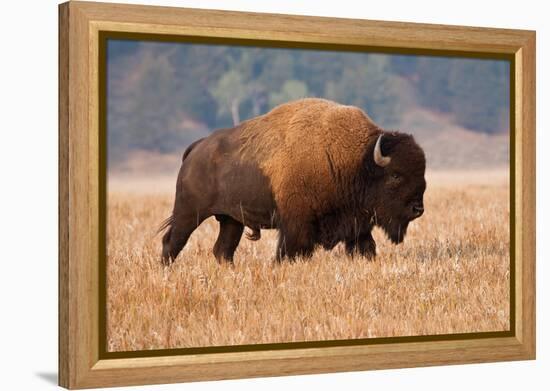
(305,147)
(308,141)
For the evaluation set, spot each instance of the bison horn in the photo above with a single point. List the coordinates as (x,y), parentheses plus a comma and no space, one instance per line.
(380,159)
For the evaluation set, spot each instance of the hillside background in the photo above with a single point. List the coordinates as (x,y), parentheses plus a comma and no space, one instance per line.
(163,96)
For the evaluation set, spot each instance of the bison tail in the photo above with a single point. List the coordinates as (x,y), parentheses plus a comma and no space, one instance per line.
(165,224)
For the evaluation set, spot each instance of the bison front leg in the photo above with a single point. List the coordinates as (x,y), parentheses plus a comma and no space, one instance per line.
(295,241)
(364,245)
(228,239)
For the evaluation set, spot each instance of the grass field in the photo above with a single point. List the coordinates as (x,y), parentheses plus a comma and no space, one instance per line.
(451,275)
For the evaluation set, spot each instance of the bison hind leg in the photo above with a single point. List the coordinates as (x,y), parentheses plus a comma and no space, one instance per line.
(166,260)
(175,238)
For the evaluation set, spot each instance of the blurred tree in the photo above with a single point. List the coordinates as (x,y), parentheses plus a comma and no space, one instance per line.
(480,100)
(381,94)
(475,91)
(291,90)
(162,96)
(230,91)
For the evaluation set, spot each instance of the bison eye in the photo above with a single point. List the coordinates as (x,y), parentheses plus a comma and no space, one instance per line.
(395,176)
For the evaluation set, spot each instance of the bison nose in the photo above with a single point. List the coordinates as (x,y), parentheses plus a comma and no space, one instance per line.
(418,210)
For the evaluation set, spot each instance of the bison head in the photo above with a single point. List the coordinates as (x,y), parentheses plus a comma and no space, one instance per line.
(398,184)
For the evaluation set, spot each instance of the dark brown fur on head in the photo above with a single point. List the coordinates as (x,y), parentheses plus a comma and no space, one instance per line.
(396,190)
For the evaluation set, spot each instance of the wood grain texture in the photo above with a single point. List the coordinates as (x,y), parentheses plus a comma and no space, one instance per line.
(212,23)
(79,27)
(78,303)
(64,326)
(527,163)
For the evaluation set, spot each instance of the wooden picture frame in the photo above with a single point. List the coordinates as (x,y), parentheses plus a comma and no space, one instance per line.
(81,161)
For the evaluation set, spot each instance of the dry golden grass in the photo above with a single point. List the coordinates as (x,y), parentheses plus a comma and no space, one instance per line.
(451,275)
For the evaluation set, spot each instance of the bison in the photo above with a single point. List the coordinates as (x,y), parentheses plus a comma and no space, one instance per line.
(318,171)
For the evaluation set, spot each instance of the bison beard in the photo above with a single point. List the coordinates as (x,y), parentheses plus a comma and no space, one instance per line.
(396,231)
(313,169)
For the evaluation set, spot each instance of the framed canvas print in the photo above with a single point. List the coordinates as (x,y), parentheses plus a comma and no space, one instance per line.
(251,195)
